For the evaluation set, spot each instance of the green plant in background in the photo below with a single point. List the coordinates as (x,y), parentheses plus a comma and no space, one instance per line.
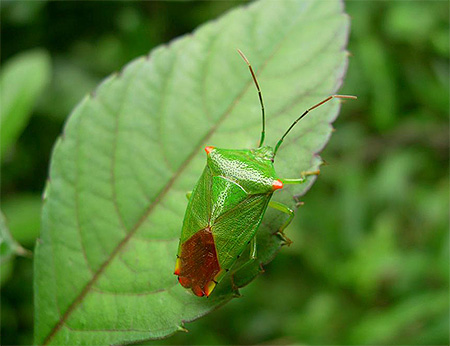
(9,248)
(369,263)
(21,81)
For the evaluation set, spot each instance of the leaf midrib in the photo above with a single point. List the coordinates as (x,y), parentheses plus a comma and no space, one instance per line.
(161,195)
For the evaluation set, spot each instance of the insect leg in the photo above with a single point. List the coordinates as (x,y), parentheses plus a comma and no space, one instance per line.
(284,209)
(253,249)
(237,273)
(302,178)
(252,256)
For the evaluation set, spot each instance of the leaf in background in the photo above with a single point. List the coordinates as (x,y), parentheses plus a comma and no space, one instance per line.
(378,67)
(61,95)
(115,201)
(8,249)
(23,212)
(21,13)
(405,321)
(22,79)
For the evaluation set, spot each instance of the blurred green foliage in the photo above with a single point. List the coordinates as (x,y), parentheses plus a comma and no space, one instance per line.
(21,81)
(370,259)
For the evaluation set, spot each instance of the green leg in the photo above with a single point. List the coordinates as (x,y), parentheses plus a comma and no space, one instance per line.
(302,178)
(284,209)
(252,258)
(253,249)
(298,203)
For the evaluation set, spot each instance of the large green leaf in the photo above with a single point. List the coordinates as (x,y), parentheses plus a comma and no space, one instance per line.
(115,200)
(22,79)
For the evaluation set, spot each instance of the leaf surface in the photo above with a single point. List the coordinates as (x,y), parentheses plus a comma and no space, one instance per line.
(115,201)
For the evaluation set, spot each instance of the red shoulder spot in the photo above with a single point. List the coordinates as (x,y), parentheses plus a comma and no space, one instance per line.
(208,149)
(277,184)
(198,262)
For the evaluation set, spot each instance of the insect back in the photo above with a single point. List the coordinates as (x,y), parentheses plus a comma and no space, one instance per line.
(223,214)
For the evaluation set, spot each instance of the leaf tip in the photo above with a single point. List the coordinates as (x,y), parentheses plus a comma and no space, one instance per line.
(237,294)
(182,329)
(46,188)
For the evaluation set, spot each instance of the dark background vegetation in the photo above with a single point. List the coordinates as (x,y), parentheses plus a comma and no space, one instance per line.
(370,259)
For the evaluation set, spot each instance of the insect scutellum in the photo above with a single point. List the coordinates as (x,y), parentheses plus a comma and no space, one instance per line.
(263,131)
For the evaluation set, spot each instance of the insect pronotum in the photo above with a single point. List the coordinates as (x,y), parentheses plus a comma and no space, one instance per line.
(227,205)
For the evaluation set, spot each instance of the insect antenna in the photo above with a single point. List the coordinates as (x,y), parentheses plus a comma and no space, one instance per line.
(306,112)
(263,131)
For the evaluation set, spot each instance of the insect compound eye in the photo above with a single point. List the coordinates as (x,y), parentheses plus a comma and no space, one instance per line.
(277,184)
(208,149)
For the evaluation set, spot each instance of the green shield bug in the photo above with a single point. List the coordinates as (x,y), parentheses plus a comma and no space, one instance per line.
(227,206)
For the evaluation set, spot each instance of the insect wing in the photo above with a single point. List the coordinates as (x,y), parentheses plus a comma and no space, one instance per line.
(198,211)
(234,229)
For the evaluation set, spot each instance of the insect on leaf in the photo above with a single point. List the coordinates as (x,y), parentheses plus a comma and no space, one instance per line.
(114,204)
